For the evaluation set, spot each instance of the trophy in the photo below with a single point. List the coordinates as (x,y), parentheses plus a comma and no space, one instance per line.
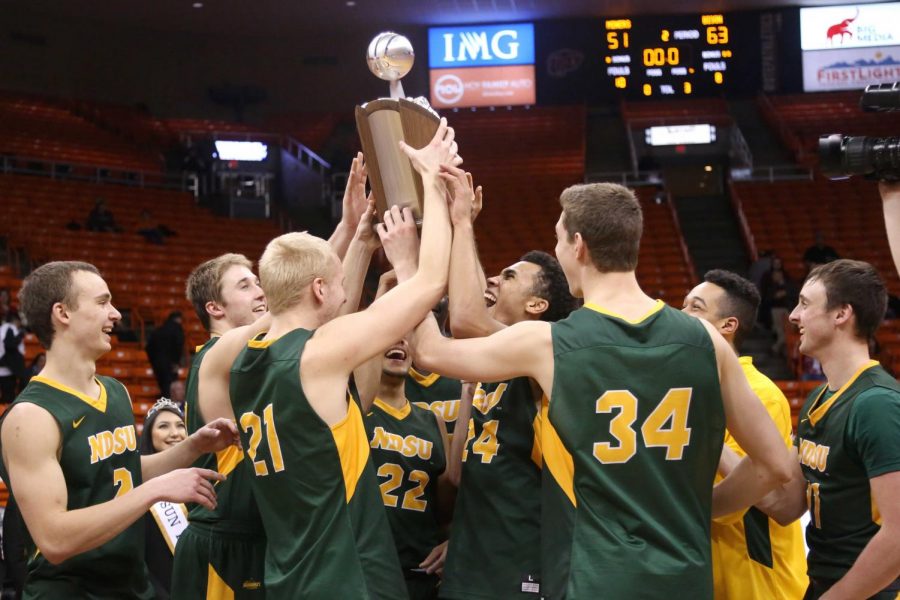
(384,122)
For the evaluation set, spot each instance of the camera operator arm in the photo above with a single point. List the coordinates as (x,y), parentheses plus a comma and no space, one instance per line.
(890,196)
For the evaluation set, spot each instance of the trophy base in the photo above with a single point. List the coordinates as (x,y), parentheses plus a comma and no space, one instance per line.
(382,124)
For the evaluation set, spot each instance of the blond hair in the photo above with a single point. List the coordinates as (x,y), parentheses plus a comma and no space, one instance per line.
(204,284)
(290,263)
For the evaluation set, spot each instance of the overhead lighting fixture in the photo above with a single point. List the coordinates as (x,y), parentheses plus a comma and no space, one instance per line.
(351,3)
(197,5)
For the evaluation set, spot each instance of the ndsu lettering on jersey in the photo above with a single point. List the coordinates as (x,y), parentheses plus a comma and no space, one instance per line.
(447,410)
(106,443)
(813,455)
(408,446)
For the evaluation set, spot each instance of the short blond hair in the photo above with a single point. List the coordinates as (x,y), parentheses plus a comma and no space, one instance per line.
(204,284)
(290,263)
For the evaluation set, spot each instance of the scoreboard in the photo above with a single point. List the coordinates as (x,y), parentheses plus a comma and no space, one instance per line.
(673,56)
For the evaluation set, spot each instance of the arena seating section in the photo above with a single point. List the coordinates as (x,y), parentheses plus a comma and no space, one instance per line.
(799,119)
(522,157)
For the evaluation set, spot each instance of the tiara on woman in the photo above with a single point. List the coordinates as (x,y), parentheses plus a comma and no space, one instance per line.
(164,403)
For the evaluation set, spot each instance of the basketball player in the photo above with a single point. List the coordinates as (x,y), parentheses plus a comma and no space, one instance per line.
(327,532)
(499,476)
(848,439)
(890,196)
(222,552)
(753,556)
(409,454)
(70,451)
(635,406)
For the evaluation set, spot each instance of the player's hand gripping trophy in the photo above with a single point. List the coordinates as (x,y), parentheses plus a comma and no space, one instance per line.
(383,123)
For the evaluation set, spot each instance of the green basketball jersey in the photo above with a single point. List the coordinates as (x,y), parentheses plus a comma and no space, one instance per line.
(438,394)
(236,509)
(326,527)
(844,439)
(637,406)
(408,455)
(495,540)
(100,460)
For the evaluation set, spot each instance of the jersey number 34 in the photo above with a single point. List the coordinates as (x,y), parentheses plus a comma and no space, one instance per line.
(665,427)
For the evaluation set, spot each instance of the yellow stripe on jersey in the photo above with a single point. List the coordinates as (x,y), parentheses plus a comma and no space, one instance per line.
(815,414)
(216,588)
(597,308)
(536,453)
(99,403)
(352,446)
(423,380)
(228,459)
(397,413)
(557,459)
(876,514)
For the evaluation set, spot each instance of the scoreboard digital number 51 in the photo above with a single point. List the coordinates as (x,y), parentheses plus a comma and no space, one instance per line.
(670,56)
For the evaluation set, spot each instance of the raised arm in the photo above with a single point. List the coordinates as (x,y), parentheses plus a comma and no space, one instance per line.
(338,346)
(461,435)
(352,206)
(768,462)
(523,349)
(368,375)
(468,314)
(31,439)
(358,257)
(890,196)
(213,396)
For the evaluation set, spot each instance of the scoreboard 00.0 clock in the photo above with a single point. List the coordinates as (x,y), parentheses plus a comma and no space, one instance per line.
(668,56)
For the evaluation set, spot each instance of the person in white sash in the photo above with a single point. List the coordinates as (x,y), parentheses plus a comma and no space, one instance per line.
(163,428)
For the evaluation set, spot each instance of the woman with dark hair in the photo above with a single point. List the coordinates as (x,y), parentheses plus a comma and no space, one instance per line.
(163,428)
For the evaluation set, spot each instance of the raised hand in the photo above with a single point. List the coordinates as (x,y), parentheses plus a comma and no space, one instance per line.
(465,200)
(353,206)
(442,149)
(188,485)
(400,240)
(365,230)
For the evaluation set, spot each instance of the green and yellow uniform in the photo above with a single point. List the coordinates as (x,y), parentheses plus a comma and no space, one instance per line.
(100,460)
(637,409)
(437,393)
(326,528)
(495,540)
(844,439)
(753,556)
(221,555)
(408,456)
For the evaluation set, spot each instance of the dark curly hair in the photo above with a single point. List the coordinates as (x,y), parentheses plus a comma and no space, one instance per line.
(551,285)
(741,300)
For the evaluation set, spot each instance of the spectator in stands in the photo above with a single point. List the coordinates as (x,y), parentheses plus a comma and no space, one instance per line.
(779,296)
(177,392)
(4,303)
(819,253)
(760,267)
(101,218)
(165,347)
(154,233)
(12,357)
(163,429)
